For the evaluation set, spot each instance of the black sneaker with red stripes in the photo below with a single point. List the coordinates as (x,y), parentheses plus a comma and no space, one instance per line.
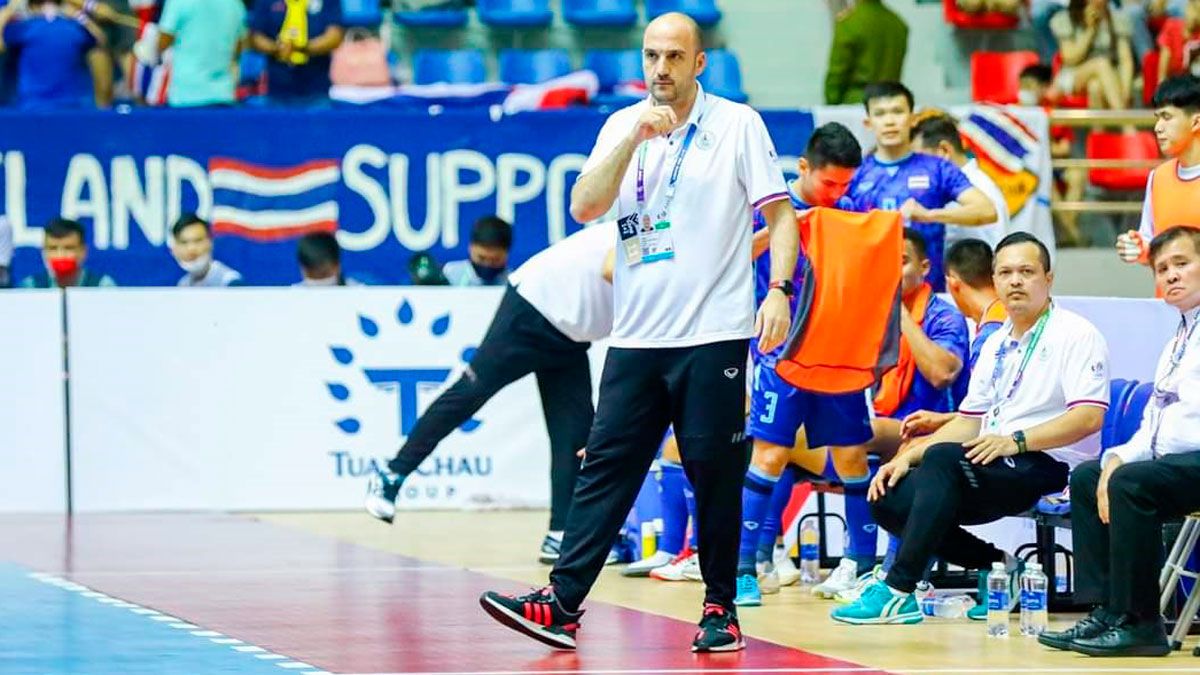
(719,631)
(538,615)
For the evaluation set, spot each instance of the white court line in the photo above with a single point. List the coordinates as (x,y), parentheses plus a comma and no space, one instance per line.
(270,657)
(227,641)
(249,649)
(207,633)
(294,665)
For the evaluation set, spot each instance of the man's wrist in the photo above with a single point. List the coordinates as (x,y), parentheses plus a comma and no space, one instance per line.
(1022,443)
(785,286)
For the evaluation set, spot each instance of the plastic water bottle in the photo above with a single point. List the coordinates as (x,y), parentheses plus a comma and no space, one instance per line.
(946,606)
(810,554)
(1023,598)
(998,601)
(1034,614)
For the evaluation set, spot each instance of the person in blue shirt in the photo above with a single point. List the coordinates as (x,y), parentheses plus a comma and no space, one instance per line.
(930,192)
(777,409)
(52,51)
(299,36)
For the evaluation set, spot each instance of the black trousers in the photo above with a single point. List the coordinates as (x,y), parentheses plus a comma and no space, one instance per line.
(1117,565)
(701,390)
(928,508)
(518,342)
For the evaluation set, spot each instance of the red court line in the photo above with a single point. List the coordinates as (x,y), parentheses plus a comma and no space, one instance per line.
(343,607)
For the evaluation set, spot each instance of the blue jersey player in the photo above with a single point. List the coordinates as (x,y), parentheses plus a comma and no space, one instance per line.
(929,192)
(777,409)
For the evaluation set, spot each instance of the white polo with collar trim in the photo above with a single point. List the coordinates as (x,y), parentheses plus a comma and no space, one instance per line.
(705,292)
(1069,368)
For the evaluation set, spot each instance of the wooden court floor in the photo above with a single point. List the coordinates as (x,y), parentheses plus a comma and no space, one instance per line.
(503,545)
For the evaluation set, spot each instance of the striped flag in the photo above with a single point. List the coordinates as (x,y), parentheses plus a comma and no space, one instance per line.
(269,203)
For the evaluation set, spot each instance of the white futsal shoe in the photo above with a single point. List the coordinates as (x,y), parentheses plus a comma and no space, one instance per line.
(843,578)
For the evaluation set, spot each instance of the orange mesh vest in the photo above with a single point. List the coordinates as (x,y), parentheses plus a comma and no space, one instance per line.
(1174,201)
(846,331)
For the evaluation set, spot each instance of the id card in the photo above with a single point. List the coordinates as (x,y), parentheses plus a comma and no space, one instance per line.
(645,241)
(627,229)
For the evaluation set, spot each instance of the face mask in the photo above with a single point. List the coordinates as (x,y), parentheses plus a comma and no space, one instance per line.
(1026,97)
(487,274)
(197,267)
(63,266)
(327,281)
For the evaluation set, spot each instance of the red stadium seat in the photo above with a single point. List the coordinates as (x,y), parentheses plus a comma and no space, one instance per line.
(982,21)
(1069,99)
(1149,76)
(995,75)
(1140,145)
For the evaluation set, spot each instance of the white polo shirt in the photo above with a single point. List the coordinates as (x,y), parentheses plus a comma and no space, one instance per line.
(705,293)
(993,232)
(1068,369)
(565,283)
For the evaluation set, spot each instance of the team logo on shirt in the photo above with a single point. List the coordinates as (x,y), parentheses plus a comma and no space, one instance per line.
(705,140)
(1098,370)
(731,373)
(918,182)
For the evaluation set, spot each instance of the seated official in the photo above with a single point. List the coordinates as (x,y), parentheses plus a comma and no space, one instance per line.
(1036,400)
(64,251)
(1120,502)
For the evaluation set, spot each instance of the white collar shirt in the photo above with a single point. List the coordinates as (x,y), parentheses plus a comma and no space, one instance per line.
(993,232)
(1069,368)
(1171,421)
(565,283)
(705,292)
(218,275)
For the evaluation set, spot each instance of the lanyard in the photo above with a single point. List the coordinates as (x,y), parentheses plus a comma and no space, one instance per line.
(1034,337)
(1162,396)
(671,183)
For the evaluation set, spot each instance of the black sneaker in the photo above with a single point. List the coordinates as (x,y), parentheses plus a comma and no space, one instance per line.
(719,631)
(1126,637)
(382,489)
(551,549)
(538,615)
(1090,626)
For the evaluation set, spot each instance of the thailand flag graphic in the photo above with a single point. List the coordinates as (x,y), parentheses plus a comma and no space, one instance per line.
(269,203)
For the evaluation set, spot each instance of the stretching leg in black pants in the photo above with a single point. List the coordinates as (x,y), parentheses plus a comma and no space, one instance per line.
(518,342)
(928,508)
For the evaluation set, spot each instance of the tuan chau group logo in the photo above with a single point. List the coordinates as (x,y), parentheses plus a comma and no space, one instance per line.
(363,369)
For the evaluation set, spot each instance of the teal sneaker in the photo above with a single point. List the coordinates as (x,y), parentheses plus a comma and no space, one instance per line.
(980,611)
(878,605)
(748,592)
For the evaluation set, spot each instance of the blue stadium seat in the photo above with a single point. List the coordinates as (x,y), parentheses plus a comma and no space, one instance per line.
(361,13)
(1131,417)
(515,13)
(723,76)
(432,18)
(705,12)
(531,66)
(614,66)
(455,66)
(1119,392)
(600,13)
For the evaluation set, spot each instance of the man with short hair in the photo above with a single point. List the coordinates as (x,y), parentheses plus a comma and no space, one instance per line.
(869,44)
(192,247)
(52,52)
(320,259)
(1036,402)
(64,251)
(299,37)
(939,136)
(929,192)
(1120,502)
(487,264)
(1172,197)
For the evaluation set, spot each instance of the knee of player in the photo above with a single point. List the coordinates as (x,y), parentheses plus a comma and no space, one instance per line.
(769,457)
(850,462)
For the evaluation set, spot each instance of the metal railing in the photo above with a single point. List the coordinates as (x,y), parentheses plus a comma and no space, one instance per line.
(1092,119)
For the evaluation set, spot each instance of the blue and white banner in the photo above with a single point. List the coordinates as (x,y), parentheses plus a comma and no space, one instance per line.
(395,182)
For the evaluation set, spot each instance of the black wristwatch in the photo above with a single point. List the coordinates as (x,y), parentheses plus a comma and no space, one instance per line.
(1019,438)
(786,286)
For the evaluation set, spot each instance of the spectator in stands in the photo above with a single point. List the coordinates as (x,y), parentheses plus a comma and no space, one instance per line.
(6,252)
(52,53)
(192,246)
(1037,88)
(938,135)
(64,251)
(1120,502)
(979,6)
(1179,44)
(1038,423)
(491,240)
(869,44)
(1144,16)
(1097,57)
(299,36)
(320,259)
(203,36)
(1171,195)
(921,187)
(424,270)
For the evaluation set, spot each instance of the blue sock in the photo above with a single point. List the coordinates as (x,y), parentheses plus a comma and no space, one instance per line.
(689,496)
(892,550)
(756,497)
(674,505)
(864,534)
(772,523)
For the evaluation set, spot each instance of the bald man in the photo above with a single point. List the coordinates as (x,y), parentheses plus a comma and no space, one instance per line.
(683,172)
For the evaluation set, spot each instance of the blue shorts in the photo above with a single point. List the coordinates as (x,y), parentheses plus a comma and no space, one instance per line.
(778,410)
